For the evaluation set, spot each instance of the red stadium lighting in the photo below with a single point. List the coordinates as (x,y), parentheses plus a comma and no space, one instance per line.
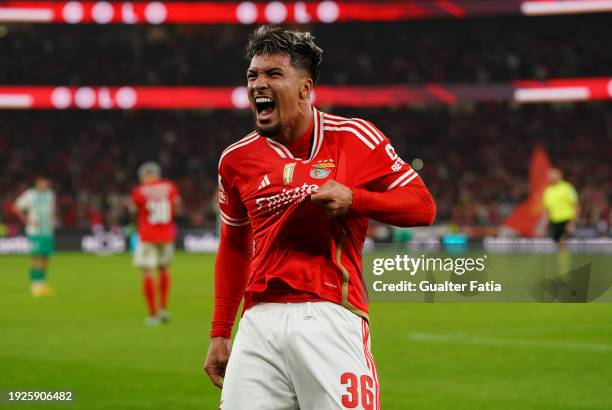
(164,98)
(88,97)
(533,8)
(104,12)
(275,12)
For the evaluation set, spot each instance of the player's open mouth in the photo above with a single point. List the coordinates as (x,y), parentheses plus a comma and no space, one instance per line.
(264,107)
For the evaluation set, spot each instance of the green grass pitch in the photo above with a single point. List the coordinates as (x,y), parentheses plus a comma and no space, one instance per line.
(90,338)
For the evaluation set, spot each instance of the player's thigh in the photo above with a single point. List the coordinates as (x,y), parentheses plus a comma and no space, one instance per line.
(330,361)
(37,246)
(146,255)
(46,246)
(255,378)
(166,254)
(50,246)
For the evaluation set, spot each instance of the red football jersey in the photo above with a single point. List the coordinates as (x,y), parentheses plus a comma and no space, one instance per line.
(261,183)
(156,203)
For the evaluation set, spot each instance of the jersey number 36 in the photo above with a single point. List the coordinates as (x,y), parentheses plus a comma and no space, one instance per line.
(357,388)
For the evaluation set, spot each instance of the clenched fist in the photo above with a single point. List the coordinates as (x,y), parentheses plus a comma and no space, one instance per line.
(334,197)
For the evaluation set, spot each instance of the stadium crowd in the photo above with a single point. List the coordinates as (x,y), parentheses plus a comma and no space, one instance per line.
(479,51)
(476,158)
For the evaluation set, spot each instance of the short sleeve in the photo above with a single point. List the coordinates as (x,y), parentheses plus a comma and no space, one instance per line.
(24,201)
(232,210)
(383,169)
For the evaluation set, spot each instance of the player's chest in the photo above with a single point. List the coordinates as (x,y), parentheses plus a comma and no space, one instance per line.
(278,184)
(42,201)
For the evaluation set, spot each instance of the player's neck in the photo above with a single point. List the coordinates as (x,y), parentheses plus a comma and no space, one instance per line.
(150,180)
(288,135)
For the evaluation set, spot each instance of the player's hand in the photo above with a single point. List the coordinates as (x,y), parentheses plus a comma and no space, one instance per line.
(334,197)
(570,228)
(216,359)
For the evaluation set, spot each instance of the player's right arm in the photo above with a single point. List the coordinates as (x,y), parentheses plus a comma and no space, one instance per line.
(231,275)
(21,215)
(21,205)
(175,199)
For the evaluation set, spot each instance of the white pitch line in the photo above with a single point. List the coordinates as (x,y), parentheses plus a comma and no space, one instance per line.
(501,342)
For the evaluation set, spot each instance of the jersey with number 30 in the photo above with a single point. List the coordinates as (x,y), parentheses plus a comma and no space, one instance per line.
(156,203)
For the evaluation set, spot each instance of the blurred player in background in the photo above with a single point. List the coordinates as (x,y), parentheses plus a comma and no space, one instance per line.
(561,205)
(295,197)
(155,201)
(36,209)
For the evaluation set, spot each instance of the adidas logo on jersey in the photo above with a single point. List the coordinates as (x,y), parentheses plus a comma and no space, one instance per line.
(264,182)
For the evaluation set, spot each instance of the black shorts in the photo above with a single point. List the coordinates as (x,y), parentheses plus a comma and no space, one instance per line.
(557,230)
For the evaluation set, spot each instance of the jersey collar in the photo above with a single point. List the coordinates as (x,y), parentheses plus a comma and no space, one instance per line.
(317,131)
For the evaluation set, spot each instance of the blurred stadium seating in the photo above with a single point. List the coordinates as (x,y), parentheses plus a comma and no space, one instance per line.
(479,50)
(475,155)
(454,67)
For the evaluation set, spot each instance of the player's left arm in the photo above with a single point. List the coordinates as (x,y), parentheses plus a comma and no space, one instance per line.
(386,189)
(404,206)
(55,212)
(575,199)
(178,205)
(176,200)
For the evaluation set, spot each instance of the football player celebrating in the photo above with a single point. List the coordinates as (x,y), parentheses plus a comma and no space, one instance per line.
(295,196)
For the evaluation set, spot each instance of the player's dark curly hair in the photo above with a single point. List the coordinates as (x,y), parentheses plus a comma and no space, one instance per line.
(299,46)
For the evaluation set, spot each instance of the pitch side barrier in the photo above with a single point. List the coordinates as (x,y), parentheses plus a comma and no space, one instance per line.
(421,269)
(447,269)
(207,240)
(110,242)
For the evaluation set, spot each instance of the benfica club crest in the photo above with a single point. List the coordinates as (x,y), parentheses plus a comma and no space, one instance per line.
(322,169)
(319,173)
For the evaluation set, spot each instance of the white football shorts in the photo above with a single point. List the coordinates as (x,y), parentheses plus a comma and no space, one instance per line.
(153,255)
(306,356)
